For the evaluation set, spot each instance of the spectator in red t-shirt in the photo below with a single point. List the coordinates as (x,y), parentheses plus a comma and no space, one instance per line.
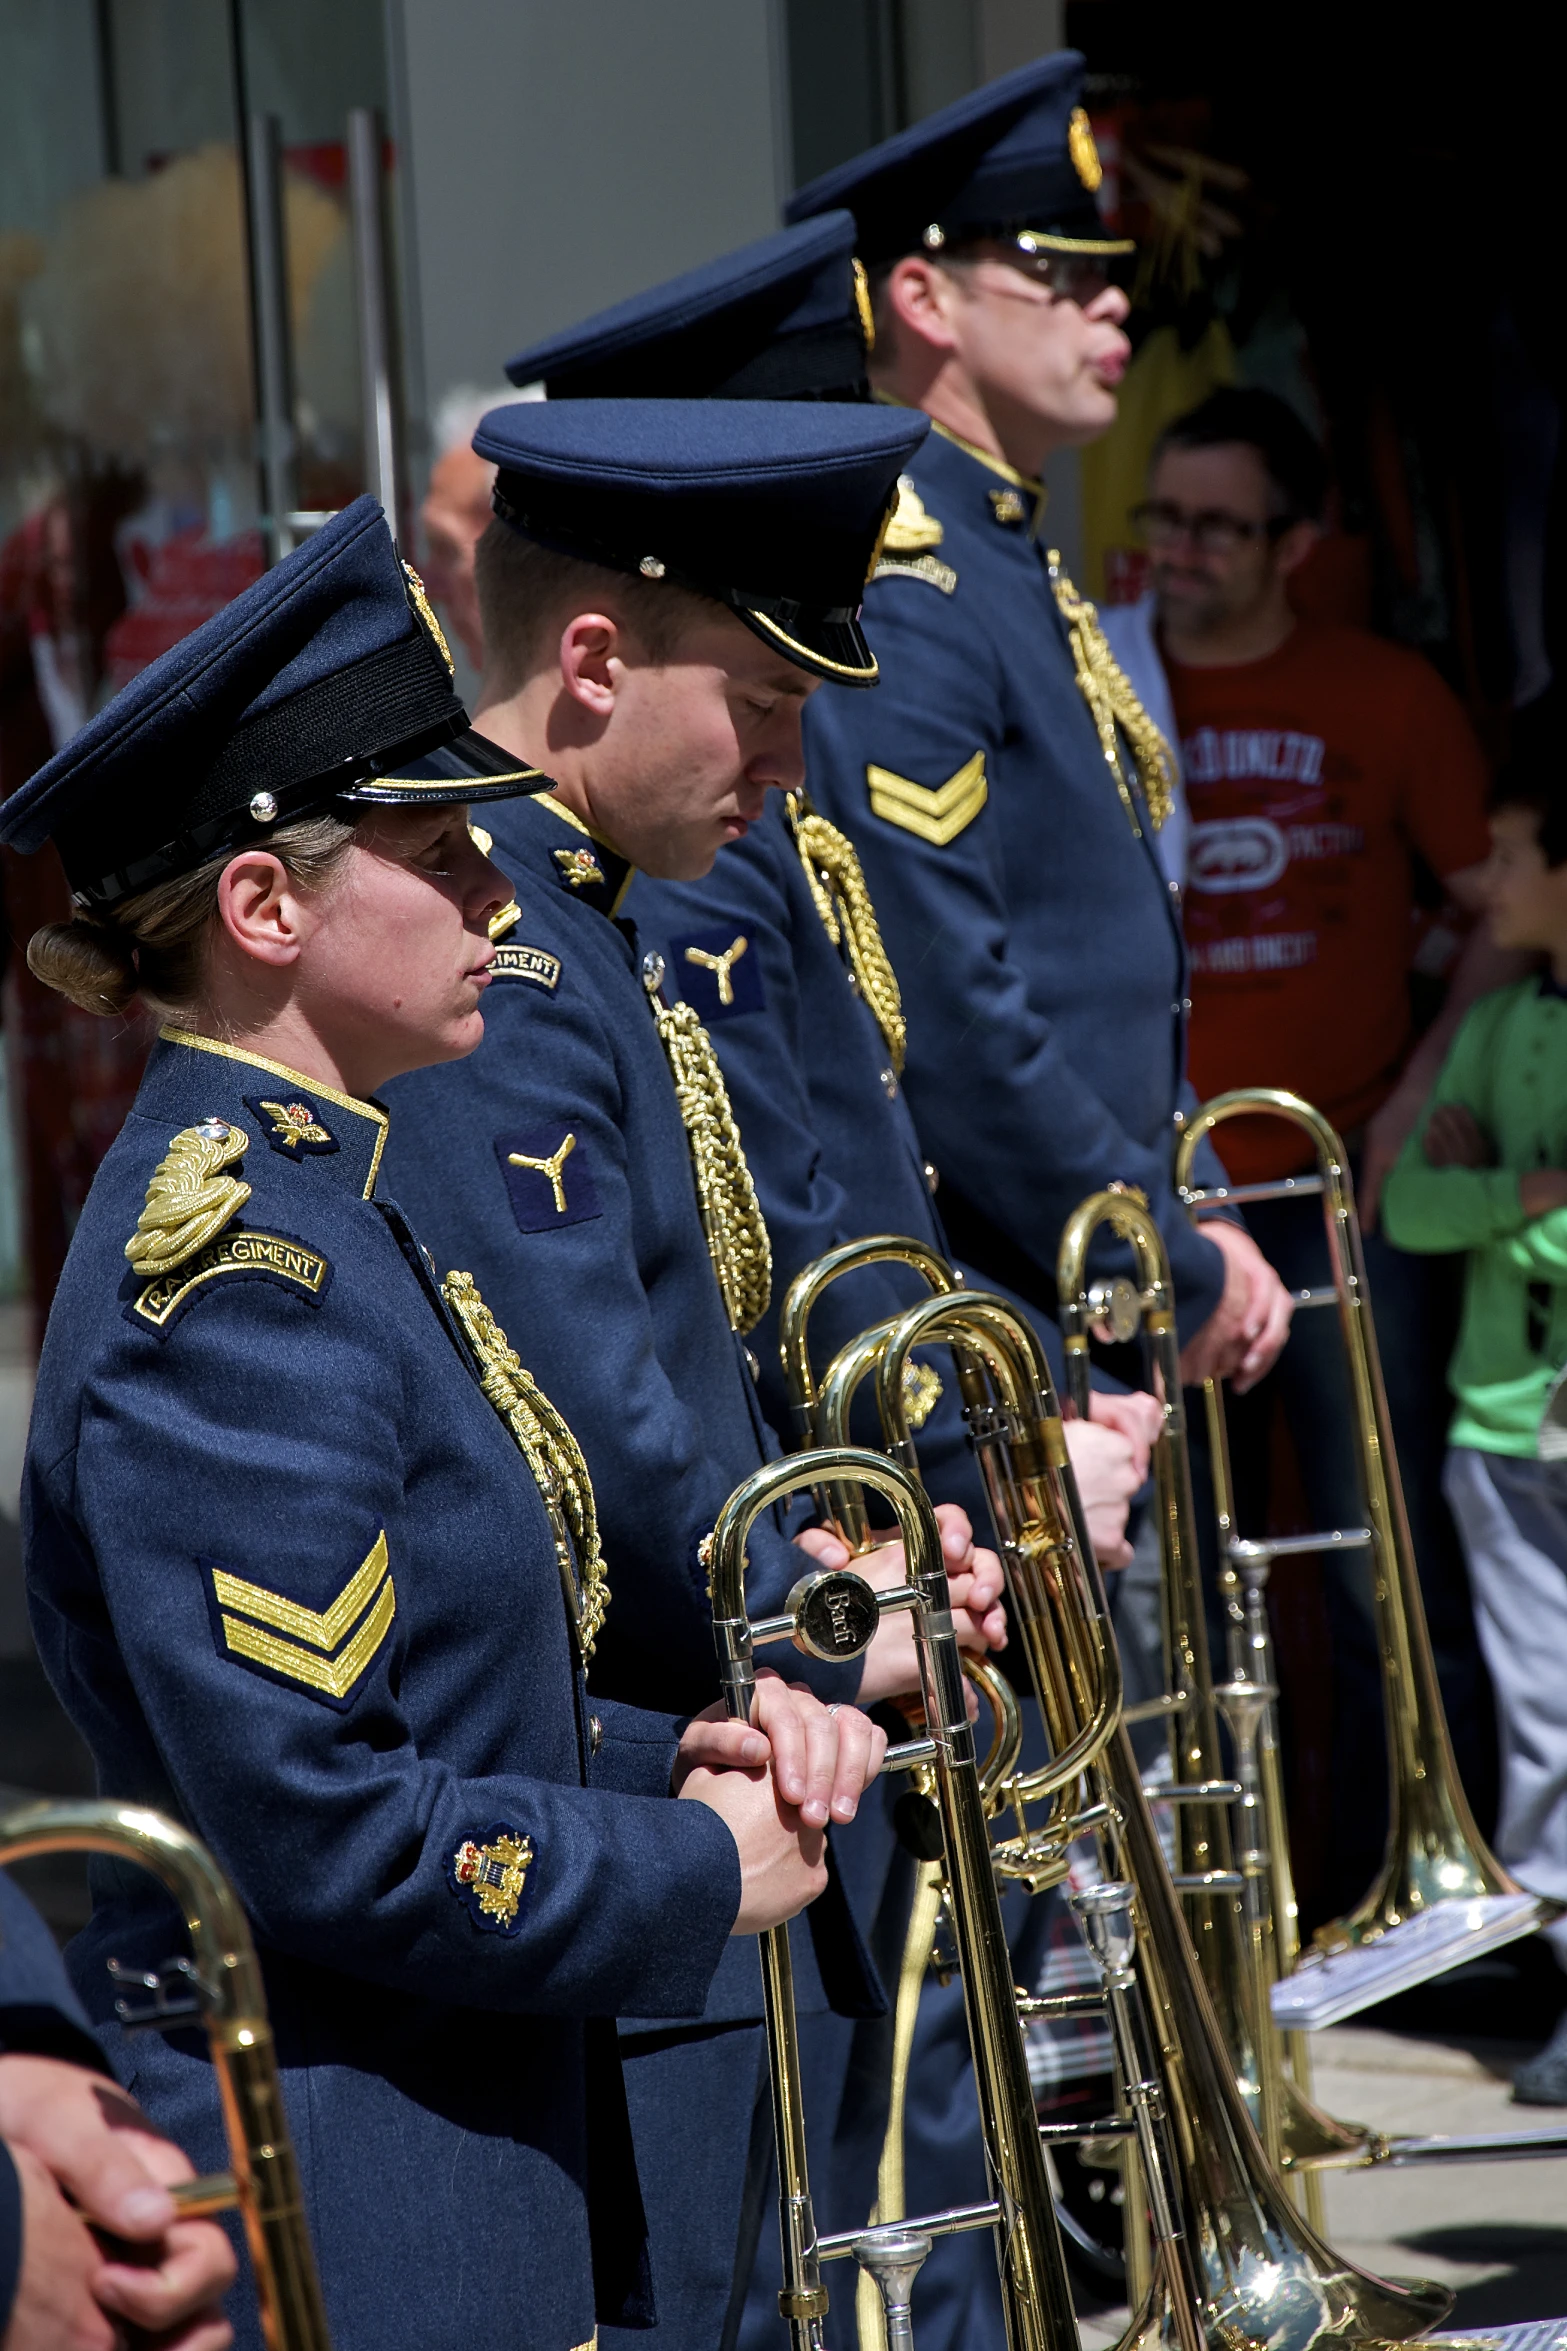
(1320,762)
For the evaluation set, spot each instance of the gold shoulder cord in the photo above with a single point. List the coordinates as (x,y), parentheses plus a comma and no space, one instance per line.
(1106,688)
(551,1452)
(732,1217)
(832,867)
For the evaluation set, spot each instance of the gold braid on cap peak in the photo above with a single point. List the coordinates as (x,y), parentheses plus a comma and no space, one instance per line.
(1106,688)
(833,869)
(552,1453)
(732,1217)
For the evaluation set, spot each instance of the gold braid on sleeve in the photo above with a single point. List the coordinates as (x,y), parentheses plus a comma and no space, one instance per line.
(551,1453)
(732,1217)
(833,869)
(1106,688)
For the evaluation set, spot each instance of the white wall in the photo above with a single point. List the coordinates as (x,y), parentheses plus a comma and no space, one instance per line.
(557,157)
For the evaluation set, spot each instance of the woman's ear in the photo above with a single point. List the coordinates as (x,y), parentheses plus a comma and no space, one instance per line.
(260,909)
(591,662)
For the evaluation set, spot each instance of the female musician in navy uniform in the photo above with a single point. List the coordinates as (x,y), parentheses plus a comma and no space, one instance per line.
(300,1580)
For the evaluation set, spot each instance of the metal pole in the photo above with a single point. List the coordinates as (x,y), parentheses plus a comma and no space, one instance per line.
(382,470)
(268,255)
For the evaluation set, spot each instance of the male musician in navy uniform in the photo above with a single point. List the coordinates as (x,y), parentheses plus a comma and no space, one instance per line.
(664,584)
(1004,788)
(311,1557)
(778,951)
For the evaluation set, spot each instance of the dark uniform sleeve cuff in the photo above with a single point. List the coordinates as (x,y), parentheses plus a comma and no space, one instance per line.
(635,1753)
(10,2235)
(48,2032)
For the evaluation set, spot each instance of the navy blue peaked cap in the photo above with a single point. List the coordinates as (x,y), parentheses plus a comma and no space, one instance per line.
(775,508)
(315,686)
(787,318)
(1016,155)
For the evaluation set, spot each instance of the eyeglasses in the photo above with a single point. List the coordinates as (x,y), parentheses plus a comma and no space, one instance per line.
(1070,277)
(1210,529)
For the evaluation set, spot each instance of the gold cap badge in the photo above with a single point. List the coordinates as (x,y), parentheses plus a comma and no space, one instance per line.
(421,605)
(1081,148)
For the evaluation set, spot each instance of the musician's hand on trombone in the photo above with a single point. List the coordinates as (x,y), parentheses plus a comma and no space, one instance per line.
(815,1763)
(1110,1461)
(1242,1337)
(164,2275)
(974,1581)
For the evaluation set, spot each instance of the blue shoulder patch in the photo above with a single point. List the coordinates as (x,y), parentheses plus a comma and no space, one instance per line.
(291,1124)
(717,973)
(547,1177)
(488,1874)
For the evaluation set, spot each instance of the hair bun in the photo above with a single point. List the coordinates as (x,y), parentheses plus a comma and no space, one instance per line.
(92,963)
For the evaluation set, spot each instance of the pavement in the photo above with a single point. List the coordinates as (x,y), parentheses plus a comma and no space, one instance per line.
(1495,2232)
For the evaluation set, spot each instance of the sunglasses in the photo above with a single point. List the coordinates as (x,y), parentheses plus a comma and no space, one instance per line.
(1070,277)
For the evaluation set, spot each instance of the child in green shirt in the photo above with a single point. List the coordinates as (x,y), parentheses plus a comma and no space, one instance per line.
(1487,1173)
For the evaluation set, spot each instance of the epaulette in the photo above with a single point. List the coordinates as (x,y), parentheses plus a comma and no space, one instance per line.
(907,548)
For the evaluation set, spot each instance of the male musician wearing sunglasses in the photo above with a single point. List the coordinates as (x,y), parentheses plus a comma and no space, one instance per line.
(1006,788)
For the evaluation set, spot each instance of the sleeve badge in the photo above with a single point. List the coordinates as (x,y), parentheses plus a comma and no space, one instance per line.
(932,812)
(718,974)
(326,1652)
(490,1877)
(548,1179)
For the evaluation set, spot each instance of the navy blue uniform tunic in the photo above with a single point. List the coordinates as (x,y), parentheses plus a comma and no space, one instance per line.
(821,1110)
(295,1585)
(1034,936)
(555,1164)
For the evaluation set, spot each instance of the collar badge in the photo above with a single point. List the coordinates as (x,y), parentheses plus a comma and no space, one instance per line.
(1008,506)
(577,867)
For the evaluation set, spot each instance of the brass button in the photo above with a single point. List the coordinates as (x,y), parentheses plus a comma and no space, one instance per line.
(889,1085)
(595,1734)
(932,1179)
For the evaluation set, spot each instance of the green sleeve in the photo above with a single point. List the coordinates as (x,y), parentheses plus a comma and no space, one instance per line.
(1540,1250)
(1429,1208)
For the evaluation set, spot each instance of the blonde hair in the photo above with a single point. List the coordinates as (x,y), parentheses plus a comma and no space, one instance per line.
(154,945)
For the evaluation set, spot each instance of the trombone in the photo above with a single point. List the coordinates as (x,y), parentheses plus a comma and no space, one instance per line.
(1434,1850)
(224,1984)
(1232,2259)
(1236,1942)
(834,1614)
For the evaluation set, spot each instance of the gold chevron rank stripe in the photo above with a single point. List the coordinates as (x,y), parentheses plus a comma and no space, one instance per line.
(315,1647)
(933,812)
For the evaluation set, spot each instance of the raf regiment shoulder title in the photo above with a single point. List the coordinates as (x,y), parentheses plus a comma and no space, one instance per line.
(186,1239)
(912,535)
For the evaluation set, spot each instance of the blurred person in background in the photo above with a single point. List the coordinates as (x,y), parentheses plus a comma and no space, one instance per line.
(1320,762)
(456,511)
(1487,1177)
